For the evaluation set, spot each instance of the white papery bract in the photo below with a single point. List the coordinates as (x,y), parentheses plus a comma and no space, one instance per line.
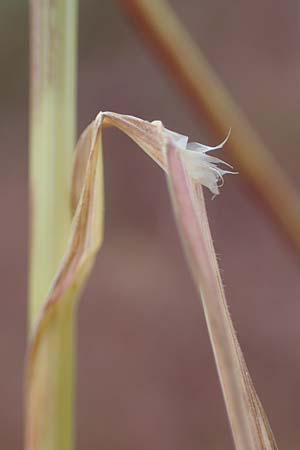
(202,167)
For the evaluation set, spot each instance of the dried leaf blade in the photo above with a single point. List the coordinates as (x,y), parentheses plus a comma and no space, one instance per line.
(250,427)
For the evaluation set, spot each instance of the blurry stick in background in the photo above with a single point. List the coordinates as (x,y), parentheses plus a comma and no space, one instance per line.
(188,65)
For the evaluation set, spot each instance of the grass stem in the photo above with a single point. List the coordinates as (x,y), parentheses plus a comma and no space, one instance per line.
(52,140)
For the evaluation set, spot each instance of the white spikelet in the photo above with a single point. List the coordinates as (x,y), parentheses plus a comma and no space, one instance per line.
(202,167)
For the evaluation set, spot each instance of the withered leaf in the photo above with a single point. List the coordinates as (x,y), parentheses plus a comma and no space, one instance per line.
(171,151)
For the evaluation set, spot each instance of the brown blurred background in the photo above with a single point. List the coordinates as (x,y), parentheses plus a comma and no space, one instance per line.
(146,376)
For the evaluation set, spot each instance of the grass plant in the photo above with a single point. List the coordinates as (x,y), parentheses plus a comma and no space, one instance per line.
(67,218)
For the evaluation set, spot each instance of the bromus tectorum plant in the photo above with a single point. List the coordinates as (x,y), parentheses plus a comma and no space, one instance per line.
(67,232)
(188,167)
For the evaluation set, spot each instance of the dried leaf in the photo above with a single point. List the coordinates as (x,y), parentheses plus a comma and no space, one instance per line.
(188,167)
(85,238)
(250,427)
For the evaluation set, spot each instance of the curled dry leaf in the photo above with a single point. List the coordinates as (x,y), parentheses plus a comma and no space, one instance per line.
(42,384)
(188,166)
(86,236)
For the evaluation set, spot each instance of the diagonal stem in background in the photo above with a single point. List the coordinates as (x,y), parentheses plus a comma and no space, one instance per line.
(186,63)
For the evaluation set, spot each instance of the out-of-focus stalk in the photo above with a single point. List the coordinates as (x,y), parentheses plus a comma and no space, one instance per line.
(52,139)
(186,63)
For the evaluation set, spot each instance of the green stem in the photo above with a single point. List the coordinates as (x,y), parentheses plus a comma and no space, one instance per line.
(52,140)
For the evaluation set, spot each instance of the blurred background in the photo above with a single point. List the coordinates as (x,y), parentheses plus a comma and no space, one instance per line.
(146,376)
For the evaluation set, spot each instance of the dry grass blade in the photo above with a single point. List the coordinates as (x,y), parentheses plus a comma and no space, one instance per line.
(45,353)
(85,239)
(250,427)
(173,153)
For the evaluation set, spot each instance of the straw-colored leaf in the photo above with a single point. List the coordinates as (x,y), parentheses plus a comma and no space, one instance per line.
(44,351)
(43,427)
(189,166)
(249,425)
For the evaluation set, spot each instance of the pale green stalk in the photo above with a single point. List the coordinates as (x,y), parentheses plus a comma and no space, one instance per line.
(52,140)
